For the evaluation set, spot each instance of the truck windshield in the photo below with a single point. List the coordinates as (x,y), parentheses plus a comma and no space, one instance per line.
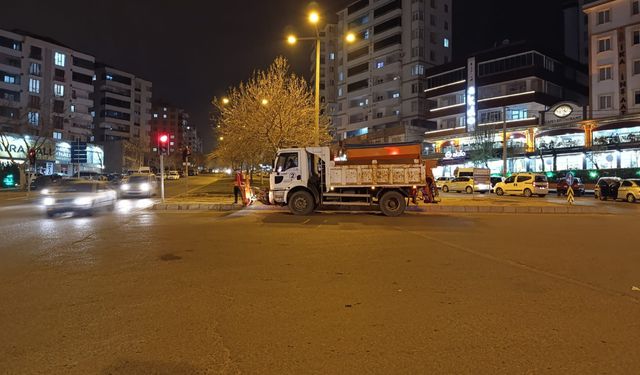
(286,161)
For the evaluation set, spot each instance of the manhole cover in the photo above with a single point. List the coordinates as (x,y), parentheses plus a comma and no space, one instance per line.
(168,257)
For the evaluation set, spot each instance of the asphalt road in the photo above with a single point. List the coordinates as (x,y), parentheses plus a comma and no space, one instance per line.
(137,292)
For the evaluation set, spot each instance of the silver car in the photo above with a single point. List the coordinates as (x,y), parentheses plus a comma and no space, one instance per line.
(77,196)
(140,185)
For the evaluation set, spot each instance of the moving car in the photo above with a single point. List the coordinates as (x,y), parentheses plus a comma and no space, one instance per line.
(607,187)
(562,186)
(173,175)
(629,190)
(440,181)
(465,184)
(526,184)
(79,196)
(139,185)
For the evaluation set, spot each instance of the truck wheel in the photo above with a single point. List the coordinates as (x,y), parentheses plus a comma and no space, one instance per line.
(392,203)
(301,203)
(445,188)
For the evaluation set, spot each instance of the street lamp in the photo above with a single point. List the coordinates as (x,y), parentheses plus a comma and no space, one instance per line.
(314,19)
(225,101)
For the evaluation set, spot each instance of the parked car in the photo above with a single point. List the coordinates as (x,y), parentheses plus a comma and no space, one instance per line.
(494,181)
(464,184)
(526,184)
(607,187)
(562,186)
(139,185)
(173,175)
(79,196)
(629,190)
(440,181)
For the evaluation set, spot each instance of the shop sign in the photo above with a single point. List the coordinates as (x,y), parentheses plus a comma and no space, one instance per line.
(455,155)
(471,95)
(563,113)
(17,148)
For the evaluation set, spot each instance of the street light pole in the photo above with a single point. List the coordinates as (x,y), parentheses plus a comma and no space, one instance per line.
(504,141)
(317,107)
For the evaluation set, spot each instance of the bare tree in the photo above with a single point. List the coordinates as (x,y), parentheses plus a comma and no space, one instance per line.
(274,109)
(483,147)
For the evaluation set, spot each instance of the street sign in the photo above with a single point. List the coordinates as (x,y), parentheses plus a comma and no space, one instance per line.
(79,152)
(570,198)
(569,178)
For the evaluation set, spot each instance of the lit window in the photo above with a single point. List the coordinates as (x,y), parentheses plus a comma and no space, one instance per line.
(332,56)
(34,118)
(34,85)
(155,115)
(34,69)
(417,70)
(341,76)
(94,78)
(58,59)
(108,77)
(93,113)
(446,42)
(395,95)
(605,73)
(58,89)
(9,79)
(340,91)
(604,44)
(365,34)
(380,64)
(164,116)
(57,135)
(165,109)
(604,16)
(73,108)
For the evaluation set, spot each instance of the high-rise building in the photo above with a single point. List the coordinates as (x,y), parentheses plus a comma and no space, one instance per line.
(378,80)
(46,88)
(174,121)
(122,107)
(614,38)
(576,35)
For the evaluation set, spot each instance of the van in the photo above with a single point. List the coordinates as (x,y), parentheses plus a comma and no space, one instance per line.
(526,184)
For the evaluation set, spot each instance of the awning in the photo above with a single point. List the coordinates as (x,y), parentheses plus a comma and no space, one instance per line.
(554,132)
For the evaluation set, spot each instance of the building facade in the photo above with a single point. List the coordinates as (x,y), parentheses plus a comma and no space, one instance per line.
(576,34)
(174,121)
(377,82)
(46,88)
(535,100)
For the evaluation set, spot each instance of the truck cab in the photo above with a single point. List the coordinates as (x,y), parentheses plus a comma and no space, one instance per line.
(296,169)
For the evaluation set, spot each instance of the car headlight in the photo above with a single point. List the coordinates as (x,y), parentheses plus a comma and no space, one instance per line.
(125,187)
(145,187)
(45,191)
(48,201)
(82,201)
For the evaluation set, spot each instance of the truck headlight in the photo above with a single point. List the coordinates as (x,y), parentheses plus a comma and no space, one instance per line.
(125,187)
(48,201)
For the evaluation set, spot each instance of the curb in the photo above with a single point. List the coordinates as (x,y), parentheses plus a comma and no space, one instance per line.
(419,209)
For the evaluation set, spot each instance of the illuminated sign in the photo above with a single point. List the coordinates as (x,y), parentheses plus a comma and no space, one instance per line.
(471,95)
(455,155)
(563,111)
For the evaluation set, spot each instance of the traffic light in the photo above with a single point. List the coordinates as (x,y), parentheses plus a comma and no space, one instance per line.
(186,152)
(163,144)
(32,156)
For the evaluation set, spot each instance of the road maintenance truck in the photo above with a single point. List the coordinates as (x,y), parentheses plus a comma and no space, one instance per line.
(305,179)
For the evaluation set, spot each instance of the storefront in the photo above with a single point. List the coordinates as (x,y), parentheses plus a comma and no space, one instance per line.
(53,156)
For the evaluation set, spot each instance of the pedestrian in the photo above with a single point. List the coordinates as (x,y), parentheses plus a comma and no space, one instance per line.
(238,183)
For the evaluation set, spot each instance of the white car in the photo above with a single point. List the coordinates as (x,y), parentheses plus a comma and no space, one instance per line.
(79,197)
(440,181)
(629,190)
(464,184)
(526,184)
(173,175)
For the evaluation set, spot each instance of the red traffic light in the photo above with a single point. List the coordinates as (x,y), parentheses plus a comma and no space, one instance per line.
(164,138)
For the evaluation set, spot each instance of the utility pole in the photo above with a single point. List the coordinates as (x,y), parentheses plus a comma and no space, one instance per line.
(504,141)
(162,177)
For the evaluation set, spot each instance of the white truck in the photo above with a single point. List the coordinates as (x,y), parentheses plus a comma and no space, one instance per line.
(306,178)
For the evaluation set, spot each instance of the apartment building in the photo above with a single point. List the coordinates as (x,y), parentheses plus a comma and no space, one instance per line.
(122,106)
(45,88)
(169,119)
(614,69)
(378,80)
(538,96)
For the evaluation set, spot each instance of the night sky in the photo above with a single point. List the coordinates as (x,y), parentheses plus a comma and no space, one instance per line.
(193,50)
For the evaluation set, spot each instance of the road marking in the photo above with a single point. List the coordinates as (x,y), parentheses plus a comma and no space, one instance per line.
(523,266)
